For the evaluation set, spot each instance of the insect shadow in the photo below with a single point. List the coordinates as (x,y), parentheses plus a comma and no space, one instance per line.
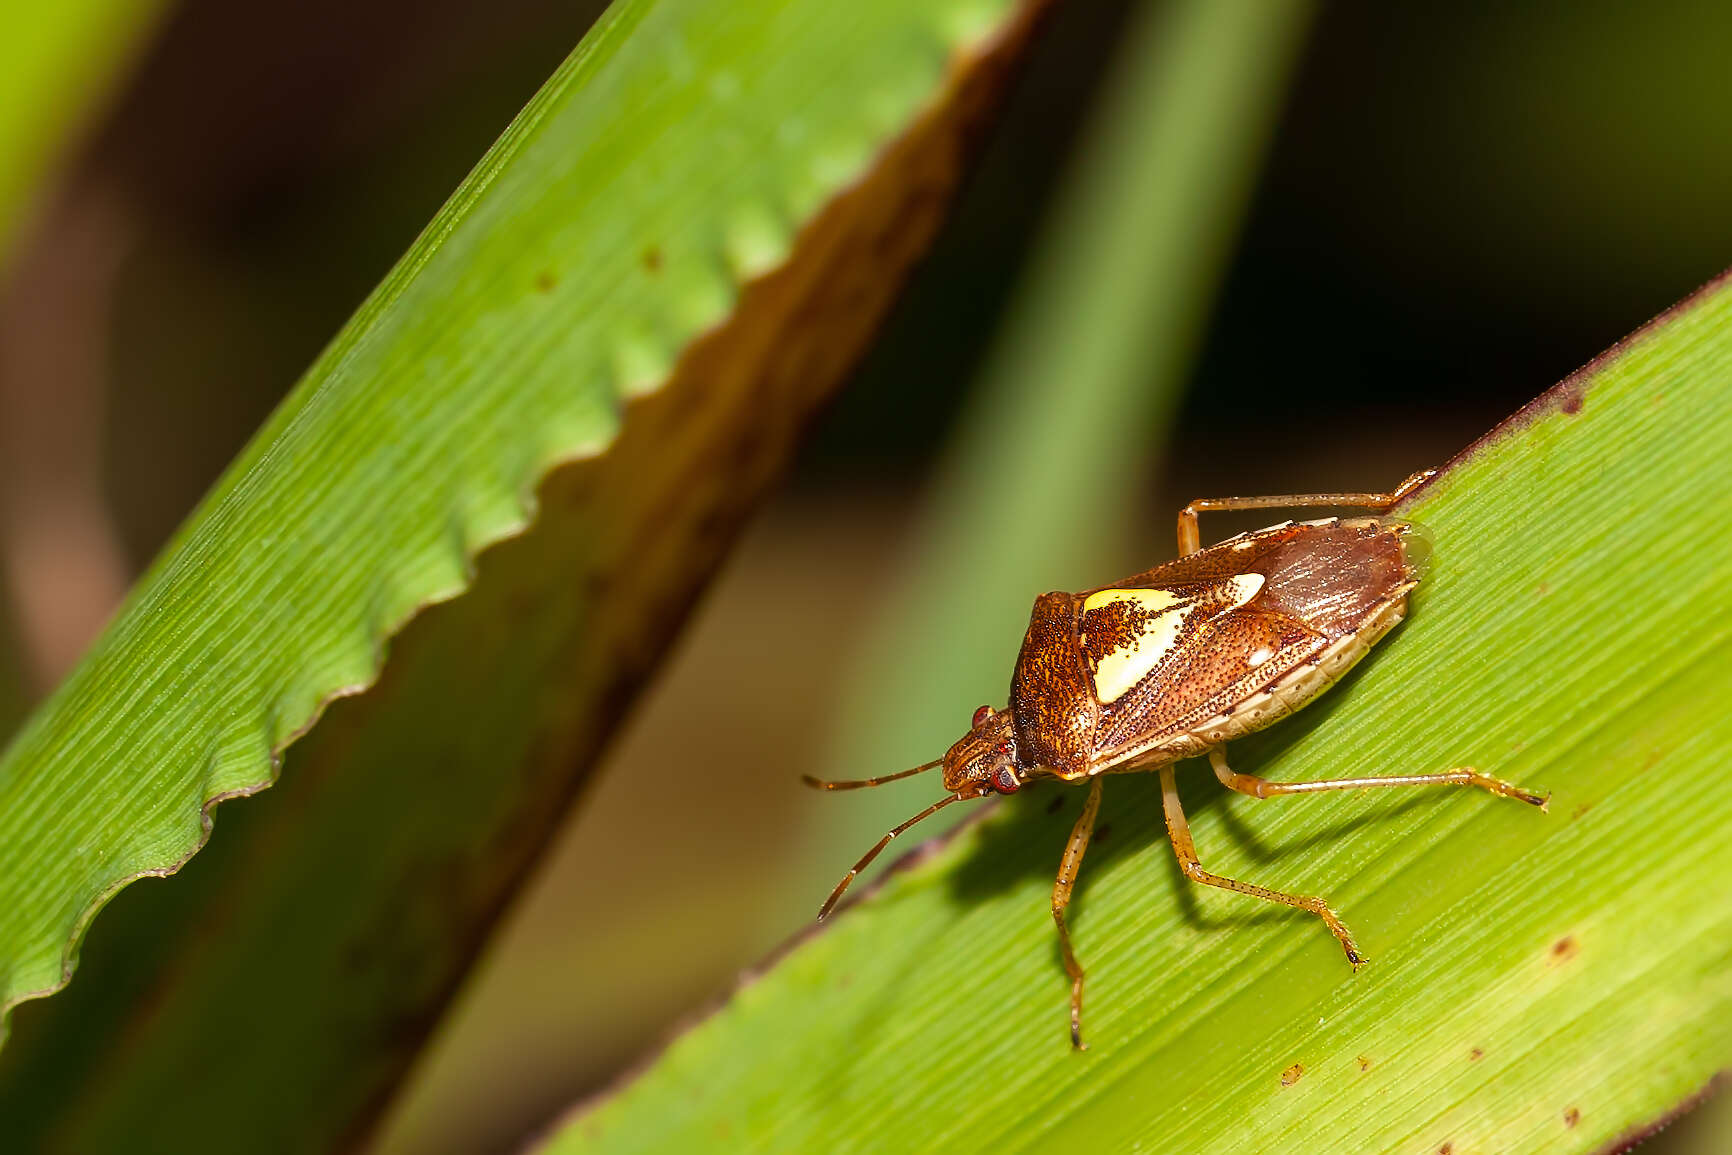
(1029,840)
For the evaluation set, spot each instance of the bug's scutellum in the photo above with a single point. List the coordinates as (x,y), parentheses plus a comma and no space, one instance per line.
(1174,662)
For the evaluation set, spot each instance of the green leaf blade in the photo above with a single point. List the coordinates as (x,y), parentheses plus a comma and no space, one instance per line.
(1538,981)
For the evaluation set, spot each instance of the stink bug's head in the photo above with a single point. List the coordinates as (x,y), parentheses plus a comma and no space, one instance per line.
(985,757)
(984,761)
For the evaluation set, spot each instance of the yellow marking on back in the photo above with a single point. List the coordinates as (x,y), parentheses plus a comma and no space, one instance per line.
(1245,586)
(1123,668)
(1120,670)
(1154,601)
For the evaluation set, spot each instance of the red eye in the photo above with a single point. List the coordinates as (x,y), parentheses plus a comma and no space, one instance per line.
(1005,781)
(982,715)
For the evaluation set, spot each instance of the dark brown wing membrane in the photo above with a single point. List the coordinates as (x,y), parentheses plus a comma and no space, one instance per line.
(1334,576)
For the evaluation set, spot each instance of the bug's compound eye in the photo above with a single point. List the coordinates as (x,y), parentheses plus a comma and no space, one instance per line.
(1006,781)
(982,715)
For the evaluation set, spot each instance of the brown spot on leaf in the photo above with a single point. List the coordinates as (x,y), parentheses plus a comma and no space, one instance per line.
(545,282)
(1475,1055)
(1571,400)
(1292,1074)
(1446,1149)
(1572,1116)
(1364,1064)
(1581,810)
(1564,949)
(652,259)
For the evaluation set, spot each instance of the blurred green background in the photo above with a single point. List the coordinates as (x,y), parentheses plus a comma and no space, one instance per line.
(1457,206)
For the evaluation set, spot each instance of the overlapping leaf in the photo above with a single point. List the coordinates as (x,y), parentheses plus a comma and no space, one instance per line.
(589,273)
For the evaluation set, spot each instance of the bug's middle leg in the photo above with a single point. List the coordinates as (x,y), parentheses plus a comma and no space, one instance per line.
(1179,831)
(1461,776)
(1061,890)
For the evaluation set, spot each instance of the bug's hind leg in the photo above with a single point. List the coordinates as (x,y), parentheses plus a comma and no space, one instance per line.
(1190,541)
(1460,776)
(1180,832)
(1061,889)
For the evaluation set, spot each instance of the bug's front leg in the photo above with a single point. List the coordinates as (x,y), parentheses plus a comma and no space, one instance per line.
(1061,890)
(1179,831)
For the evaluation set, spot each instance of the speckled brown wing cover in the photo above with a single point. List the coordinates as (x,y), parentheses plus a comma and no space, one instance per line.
(1330,589)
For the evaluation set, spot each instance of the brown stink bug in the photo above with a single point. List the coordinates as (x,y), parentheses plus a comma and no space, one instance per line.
(1177,661)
